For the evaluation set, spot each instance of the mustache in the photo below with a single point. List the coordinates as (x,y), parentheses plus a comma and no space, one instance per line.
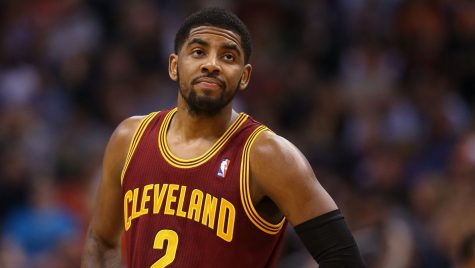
(218,80)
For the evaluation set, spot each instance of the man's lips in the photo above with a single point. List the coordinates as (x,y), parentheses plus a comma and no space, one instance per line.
(209,82)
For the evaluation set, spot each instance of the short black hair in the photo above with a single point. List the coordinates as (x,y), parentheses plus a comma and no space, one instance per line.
(217,17)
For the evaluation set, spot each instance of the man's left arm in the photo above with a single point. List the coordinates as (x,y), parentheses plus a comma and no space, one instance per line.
(282,173)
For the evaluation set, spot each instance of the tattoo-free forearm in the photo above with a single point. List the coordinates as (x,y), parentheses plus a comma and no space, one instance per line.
(98,254)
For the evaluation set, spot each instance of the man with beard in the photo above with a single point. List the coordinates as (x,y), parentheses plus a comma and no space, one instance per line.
(201,185)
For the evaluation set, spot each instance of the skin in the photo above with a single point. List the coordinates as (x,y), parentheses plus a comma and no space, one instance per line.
(282,182)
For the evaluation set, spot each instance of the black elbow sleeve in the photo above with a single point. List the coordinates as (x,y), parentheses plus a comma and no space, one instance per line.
(329,240)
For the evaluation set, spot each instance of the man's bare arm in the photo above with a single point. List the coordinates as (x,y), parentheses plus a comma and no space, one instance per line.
(102,246)
(281,172)
(98,254)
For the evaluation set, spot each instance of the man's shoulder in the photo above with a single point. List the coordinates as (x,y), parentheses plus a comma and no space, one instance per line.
(131,122)
(276,156)
(270,146)
(125,131)
(128,126)
(270,142)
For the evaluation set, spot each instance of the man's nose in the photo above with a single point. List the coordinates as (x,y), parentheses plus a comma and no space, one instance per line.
(211,65)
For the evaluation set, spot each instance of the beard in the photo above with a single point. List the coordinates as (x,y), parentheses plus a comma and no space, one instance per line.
(206,105)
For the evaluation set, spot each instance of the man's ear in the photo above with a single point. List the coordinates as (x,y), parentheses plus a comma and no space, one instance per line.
(173,66)
(246,76)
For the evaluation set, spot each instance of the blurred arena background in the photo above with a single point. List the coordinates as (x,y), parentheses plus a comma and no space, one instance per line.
(379,95)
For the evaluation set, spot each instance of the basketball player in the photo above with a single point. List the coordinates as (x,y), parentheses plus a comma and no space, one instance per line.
(201,185)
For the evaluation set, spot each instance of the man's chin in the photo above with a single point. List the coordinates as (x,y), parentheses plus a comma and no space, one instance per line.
(204,105)
(203,111)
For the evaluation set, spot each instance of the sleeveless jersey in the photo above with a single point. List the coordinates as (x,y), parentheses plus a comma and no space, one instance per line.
(194,212)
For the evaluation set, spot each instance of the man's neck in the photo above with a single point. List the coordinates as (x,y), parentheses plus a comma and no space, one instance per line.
(191,126)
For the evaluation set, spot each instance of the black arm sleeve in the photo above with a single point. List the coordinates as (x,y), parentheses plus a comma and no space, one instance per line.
(330,241)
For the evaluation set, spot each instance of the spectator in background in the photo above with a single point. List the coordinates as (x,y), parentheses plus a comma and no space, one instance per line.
(35,233)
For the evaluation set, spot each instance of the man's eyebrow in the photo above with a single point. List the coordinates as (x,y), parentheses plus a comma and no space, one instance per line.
(198,41)
(231,46)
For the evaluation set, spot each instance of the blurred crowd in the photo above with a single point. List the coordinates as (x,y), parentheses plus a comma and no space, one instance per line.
(378,94)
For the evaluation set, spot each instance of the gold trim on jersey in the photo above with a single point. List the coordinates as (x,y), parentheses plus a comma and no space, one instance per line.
(135,141)
(194,162)
(246,200)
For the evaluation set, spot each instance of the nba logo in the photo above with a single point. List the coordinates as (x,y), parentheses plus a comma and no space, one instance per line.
(223,168)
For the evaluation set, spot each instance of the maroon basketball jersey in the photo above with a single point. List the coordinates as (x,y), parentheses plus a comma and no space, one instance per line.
(194,212)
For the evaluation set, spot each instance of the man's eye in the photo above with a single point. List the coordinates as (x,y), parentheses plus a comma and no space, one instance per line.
(197,52)
(229,57)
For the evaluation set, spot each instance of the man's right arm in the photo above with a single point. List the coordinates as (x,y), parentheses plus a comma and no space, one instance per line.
(102,246)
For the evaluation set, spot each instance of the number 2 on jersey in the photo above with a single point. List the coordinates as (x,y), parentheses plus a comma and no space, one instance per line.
(172,238)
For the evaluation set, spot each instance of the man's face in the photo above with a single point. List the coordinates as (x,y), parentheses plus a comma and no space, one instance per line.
(209,69)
